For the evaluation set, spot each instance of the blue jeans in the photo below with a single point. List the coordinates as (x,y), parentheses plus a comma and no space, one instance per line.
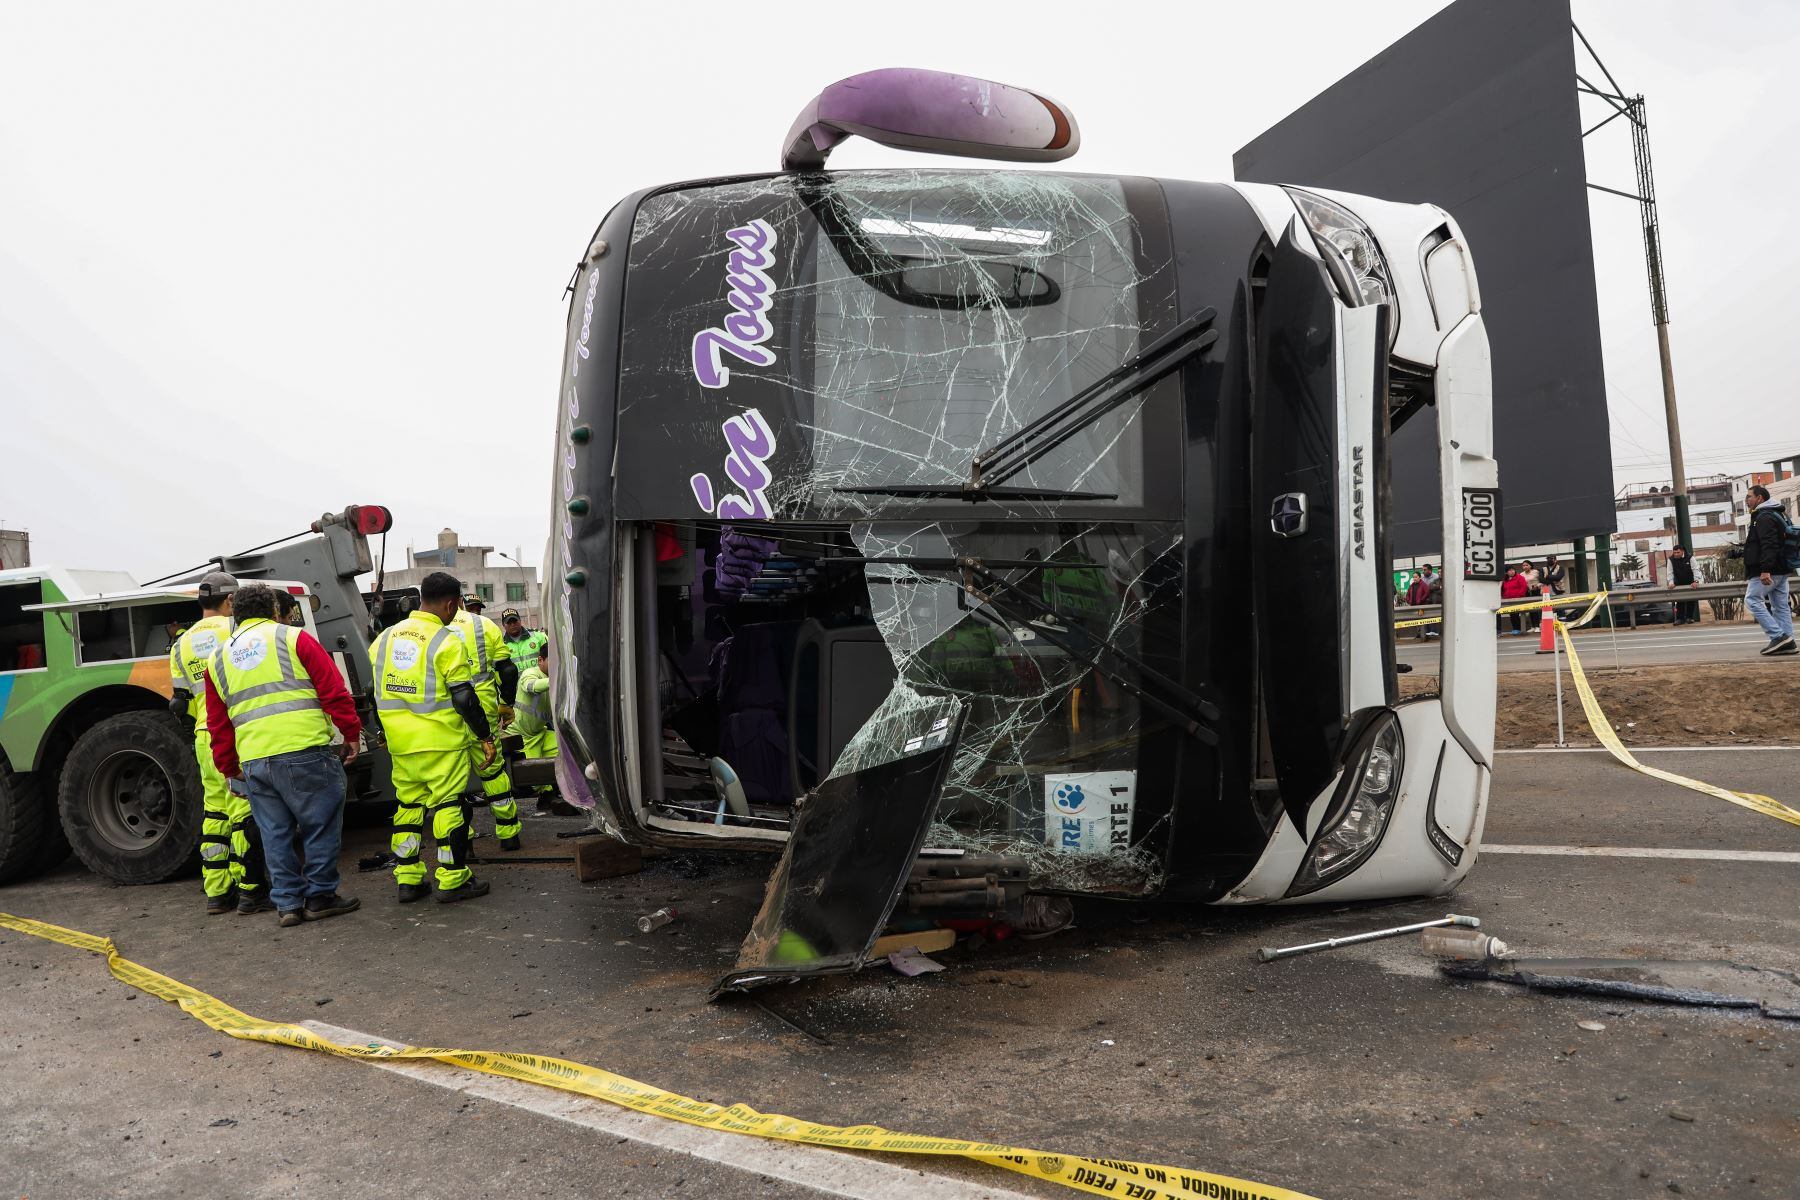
(298,801)
(1769,605)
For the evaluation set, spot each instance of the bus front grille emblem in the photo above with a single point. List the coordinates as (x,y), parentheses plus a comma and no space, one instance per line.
(1287,515)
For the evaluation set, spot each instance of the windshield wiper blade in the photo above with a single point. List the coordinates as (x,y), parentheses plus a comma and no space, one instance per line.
(943,491)
(1040,436)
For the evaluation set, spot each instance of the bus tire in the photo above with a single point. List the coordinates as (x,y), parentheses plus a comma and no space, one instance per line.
(130,799)
(24,821)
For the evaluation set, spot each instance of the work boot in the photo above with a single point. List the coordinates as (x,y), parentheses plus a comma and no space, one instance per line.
(414,891)
(334,905)
(218,905)
(468,891)
(249,904)
(511,843)
(290,918)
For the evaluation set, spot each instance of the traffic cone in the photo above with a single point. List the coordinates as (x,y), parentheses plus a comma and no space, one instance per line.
(1547,626)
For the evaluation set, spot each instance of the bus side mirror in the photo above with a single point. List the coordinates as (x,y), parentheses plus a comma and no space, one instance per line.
(935,112)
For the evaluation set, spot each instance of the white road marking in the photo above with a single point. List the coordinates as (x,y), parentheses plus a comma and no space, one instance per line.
(1775,856)
(829,1172)
(1637,749)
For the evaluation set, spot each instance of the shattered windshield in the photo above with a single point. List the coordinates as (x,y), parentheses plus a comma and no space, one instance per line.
(815,344)
(809,369)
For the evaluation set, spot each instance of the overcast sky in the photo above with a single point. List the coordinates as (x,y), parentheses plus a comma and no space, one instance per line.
(258,262)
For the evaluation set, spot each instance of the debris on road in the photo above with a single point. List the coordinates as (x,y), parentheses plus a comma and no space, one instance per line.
(922,941)
(1466,945)
(910,962)
(651,922)
(1270,954)
(1708,983)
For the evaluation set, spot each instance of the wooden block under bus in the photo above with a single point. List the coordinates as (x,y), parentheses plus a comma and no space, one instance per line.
(604,858)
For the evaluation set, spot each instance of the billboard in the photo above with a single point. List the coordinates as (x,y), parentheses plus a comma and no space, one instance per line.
(1475,111)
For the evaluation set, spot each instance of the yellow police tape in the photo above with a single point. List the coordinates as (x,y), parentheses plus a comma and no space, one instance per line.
(1596,719)
(1526,606)
(1099,1176)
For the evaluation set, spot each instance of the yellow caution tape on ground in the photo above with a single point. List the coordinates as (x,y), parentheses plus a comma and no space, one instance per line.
(1603,729)
(1099,1176)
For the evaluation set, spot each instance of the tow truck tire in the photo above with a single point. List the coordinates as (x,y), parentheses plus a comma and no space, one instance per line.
(24,821)
(130,799)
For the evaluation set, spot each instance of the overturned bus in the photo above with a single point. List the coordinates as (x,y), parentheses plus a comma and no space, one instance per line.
(975,538)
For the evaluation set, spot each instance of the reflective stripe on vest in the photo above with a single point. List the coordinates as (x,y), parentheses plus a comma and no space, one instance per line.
(484,670)
(432,702)
(250,705)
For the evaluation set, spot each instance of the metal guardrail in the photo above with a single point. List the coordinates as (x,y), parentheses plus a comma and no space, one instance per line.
(1630,599)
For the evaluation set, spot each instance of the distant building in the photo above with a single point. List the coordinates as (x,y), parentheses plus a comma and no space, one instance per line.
(502,587)
(1647,521)
(1784,488)
(15,549)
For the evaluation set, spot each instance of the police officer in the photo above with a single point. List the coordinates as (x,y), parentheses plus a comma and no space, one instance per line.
(523,644)
(496,683)
(231,868)
(426,699)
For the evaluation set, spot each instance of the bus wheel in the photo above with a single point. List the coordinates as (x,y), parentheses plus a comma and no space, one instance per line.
(25,823)
(130,799)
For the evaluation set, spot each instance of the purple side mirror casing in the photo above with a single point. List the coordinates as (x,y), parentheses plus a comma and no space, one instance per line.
(935,112)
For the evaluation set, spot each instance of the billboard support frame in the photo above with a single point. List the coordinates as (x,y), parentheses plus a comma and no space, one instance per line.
(1632,108)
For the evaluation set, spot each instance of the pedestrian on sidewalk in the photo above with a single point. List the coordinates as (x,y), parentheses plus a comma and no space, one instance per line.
(1512,591)
(1420,592)
(1533,586)
(272,698)
(1681,574)
(1766,572)
(1556,575)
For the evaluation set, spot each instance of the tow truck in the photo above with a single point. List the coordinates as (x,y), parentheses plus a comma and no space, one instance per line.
(91,760)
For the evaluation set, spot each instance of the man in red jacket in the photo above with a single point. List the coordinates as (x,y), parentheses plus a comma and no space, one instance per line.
(273,696)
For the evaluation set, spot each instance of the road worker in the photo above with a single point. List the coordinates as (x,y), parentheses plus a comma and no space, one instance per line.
(231,868)
(496,683)
(425,696)
(523,644)
(532,719)
(273,696)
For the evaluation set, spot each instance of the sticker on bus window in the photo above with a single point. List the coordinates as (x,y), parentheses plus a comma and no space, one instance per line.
(1089,812)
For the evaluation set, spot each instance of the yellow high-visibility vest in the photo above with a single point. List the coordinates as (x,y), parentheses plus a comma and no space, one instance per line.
(187,666)
(273,705)
(414,663)
(486,644)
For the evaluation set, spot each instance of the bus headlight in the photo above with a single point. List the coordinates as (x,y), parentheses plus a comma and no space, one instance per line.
(1348,248)
(1354,828)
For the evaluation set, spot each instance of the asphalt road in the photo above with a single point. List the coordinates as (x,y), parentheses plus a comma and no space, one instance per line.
(1149,1035)
(1647,645)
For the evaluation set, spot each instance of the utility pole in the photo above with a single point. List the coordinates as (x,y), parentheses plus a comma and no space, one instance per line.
(1632,109)
(1659,313)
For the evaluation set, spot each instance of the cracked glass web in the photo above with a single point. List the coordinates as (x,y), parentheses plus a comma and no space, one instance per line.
(925,316)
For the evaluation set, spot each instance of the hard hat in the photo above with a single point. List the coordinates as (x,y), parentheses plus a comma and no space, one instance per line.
(215,584)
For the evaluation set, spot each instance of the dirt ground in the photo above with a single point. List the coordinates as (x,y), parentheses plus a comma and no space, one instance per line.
(1695,704)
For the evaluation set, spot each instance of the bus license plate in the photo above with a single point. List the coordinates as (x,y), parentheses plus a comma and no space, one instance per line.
(1482,545)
